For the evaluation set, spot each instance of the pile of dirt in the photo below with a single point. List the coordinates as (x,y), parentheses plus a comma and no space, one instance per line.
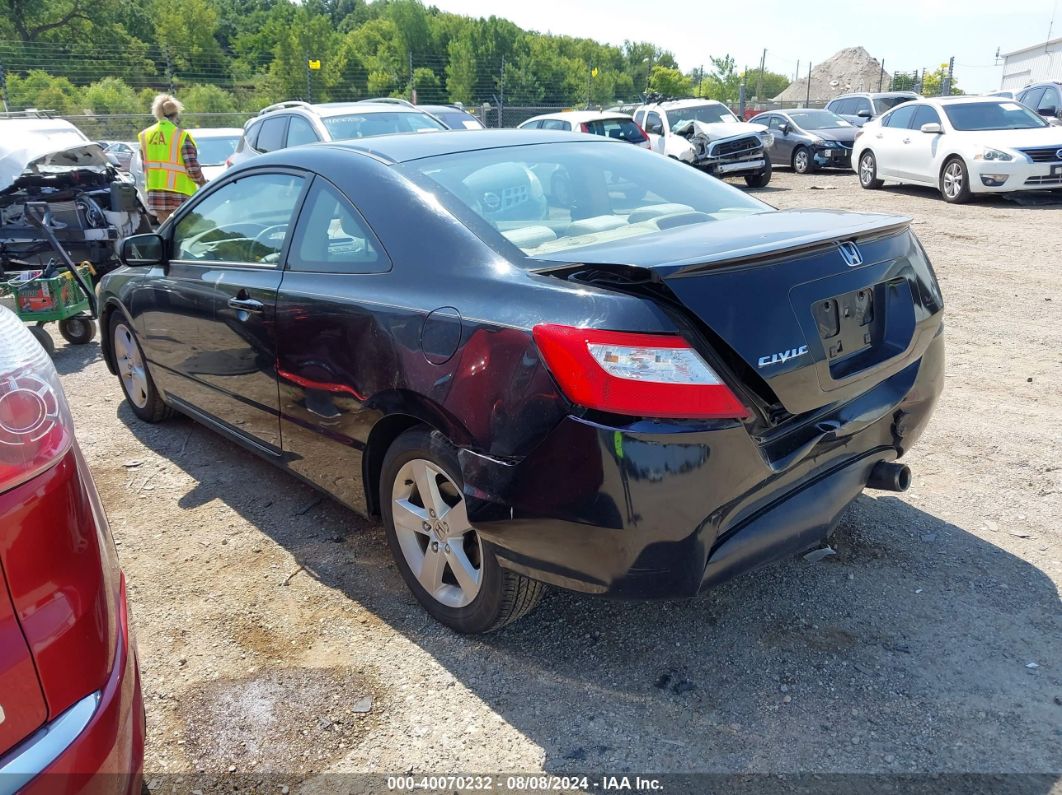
(851,69)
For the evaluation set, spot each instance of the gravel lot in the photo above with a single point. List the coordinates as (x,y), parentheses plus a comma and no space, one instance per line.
(276,635)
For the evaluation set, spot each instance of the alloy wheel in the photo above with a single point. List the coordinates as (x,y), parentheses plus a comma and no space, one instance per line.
(130,366)
(431,524)
(953,179)
(866,169)
(800,161)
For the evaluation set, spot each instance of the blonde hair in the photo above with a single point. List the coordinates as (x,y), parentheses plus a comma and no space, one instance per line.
(166,106)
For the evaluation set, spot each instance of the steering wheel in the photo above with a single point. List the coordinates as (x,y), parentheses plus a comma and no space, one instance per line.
(264,235)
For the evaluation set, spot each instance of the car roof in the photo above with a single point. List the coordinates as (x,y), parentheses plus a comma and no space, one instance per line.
(581,115)
(403,147)
(682,103)
(344,108)
(444,109)
(960,100)
(40,125)
(877,94)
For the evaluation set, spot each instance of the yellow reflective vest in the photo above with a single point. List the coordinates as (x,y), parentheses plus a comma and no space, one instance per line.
(164,168)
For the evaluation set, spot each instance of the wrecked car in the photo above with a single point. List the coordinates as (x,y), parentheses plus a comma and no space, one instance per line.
(705,134)
(90,205)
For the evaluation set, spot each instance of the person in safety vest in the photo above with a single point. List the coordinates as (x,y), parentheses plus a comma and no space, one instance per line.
(171,166)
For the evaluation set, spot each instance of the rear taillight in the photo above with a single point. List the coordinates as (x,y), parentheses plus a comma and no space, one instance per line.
(228,162)
(641,375)
(35,425)
(645,136)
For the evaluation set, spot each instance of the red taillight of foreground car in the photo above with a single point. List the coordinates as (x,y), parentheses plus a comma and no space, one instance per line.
(642,375)
(645,142)
(35,425)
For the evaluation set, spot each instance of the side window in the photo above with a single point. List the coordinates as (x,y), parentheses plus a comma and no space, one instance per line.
(1048,100)
(534,125)
(838,106)
(332,237)
(776,122)
(271,136)
(250,138)
(654,124)
(863,104)
(555,124)
(901,117)
(301,132)
(639,118)
(1031,98)
(924,114)
(245,221)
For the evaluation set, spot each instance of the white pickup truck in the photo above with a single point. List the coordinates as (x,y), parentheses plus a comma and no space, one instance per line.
(705,134)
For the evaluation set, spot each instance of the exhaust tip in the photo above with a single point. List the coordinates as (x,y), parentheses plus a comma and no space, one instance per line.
(887,476)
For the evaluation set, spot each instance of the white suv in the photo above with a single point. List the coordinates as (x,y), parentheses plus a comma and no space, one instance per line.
(705,134)
(295,123)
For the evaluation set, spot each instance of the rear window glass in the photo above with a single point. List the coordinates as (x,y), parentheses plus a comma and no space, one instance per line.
(367,125)
(817,119)
(547,198)
(709,114)
(621,129)
(214,151)
(992,116)
(885,103)
(456,120)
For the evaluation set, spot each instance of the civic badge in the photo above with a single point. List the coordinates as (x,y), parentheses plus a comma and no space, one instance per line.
(850,253)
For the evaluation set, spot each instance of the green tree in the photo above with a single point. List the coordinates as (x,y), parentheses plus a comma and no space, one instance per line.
(31,19)
(461,69)
(111,95)
(669,82)
(200,98)
(724,82)
(38,89)
(309,36)
(186,32)
(772,82)
(429,88)
(933,82)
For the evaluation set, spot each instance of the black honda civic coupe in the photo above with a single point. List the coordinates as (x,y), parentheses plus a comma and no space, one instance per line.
(638,389)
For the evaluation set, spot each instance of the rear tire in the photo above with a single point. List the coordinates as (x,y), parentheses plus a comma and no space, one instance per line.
(762,179)
(955,182)
(450,570)
(44,338)
(137,385)
(868,171)
(78,330)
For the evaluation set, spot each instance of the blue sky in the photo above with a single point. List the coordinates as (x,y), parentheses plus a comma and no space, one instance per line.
(908,34)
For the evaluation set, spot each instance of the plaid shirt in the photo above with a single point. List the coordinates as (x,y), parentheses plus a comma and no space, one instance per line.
(168,201)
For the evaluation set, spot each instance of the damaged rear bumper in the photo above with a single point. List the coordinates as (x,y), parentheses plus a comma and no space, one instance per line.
(665,510)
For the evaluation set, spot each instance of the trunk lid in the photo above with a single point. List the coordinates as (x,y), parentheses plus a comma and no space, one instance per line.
(807,308)
(22,707)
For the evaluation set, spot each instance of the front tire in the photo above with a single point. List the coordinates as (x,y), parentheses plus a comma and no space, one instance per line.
(450,570)
(78,330)
(140,391)
(803,160)
(45,340)
(763,179)
(868,171)
(955,182)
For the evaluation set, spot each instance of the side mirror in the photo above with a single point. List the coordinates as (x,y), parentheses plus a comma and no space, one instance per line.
(656,128)
(1049,111)
(864,114)
(785,129)
(140,250)
(932,127)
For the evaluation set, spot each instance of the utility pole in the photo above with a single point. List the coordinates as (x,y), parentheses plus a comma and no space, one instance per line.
(796,74)
(501,95)
(309,86)
(700,77)
(741,95)
(412,87)
(759,83)
(945,84)
(881,77)
(807,102)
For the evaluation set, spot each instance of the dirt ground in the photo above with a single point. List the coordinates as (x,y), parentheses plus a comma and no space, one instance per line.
(275,633)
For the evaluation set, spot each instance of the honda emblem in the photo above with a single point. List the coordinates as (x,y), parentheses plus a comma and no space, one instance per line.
(850,254)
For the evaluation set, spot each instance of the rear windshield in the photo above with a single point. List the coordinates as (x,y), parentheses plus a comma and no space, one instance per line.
(366,125)
(992,116)
(215,151)
(622,129)
(456,120)
(709,114)
(817,119)
(547,198)
(885,103)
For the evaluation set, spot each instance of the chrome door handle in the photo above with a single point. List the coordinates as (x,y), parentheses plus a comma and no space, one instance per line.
(907,140)
(879,135)
(246,304)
